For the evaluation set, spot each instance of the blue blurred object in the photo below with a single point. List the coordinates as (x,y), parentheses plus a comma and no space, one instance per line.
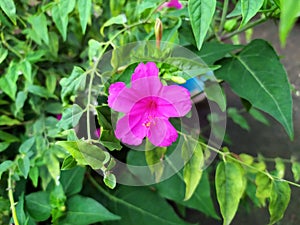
(196,85)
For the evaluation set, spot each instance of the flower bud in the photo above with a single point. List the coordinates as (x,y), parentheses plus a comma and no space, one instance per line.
(158,30)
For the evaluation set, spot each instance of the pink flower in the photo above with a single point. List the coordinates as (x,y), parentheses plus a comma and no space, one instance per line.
(171,4)
(147,106)
(174,4)
(97,132)
(58,116)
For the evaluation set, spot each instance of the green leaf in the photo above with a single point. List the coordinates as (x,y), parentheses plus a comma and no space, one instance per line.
(237,11)
(290,10)
(280,168)
(20,210)
(248,159)
(8,137)
(251,192)
(154,158)
(72,180)
(110,180)
(36,56)
(53,46)
(116,6)
(201,200)
(192,67)
(68,163)
(51,82)
(296,170)
(213,51)
(257,71)
(53,165)
(3,146)
(39,25)
(214,92)
(60,15)
(8,6)
(249,9)
(73,83)
(85,211)
(40,91)
(54,107)
(7,121)
(145,5)
(70,117)
(84,8)
(201,13)
(108,139)
(85,153)
(26,145)
(24,165)
(194,162)
(20,100)
(171,35)
(5,166)
(104,117)
(57,201)
(119,19)
(129,203)
(263,189)
(3,54)
(238,118)
(279,200)
(258,116)
(38,205)
(8,82)
(95,49)
(34,175)
(229,187)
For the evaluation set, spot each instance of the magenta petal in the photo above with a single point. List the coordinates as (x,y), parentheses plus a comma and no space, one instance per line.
(58,116)
(124,131)
(162,133)
(114,91)
(179,100)
(146,87)
(126,98)
(97,132)
(174,4)
(145,70)
(120,97)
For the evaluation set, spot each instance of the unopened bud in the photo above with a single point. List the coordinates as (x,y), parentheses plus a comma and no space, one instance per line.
(158,30)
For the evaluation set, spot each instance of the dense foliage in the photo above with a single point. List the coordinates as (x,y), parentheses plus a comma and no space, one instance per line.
(58,60)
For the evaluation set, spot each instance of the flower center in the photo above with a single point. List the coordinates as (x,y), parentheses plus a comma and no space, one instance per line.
(148,122)
(151,107)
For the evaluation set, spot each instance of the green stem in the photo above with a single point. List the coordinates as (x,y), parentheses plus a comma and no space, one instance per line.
(88,126)
(11,198)
(224,14)
(9,47)
(250,25)
(274,160)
